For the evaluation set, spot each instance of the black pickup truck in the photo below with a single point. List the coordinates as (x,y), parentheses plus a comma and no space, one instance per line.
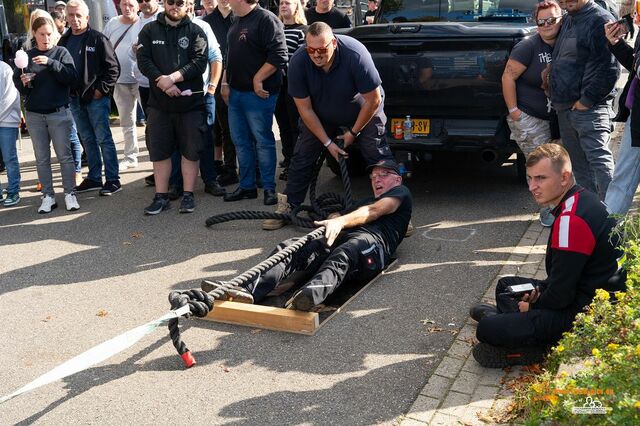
(441,62)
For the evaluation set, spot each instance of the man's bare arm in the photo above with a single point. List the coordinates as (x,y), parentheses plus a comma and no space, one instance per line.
(311,120)
(363,215)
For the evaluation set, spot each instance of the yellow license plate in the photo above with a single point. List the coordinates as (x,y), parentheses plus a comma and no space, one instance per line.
(421,126)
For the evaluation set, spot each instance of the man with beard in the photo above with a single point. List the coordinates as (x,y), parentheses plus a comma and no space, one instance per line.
(172,54)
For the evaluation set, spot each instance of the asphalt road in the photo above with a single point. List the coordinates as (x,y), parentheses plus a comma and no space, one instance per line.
(71,280)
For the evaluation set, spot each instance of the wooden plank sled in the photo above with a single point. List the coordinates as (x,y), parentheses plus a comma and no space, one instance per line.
(278,319)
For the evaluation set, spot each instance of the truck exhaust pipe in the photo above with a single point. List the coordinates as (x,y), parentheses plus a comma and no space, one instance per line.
(489,155)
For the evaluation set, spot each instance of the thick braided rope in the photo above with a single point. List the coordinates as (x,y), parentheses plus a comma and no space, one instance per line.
(319,209)
(200,304)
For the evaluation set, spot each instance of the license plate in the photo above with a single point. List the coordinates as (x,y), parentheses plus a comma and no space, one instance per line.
(421,126)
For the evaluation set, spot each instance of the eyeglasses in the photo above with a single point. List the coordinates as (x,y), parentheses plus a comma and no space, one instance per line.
(178,3)
(381,175)
(319,50)
(144,1)
(549,21)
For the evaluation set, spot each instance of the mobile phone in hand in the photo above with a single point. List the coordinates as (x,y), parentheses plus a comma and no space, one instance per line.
(623,25)
(519,290)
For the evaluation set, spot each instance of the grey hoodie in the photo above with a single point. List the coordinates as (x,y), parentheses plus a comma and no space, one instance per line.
(9,98)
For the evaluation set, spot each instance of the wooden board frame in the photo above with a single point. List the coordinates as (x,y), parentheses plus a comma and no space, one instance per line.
(278,319)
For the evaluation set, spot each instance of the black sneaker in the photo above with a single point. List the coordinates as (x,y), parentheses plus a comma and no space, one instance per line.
(110,187)
(490,356)
(237,294)
(481,310)
(150,180)
(159,204)
(88,185)
(188,204)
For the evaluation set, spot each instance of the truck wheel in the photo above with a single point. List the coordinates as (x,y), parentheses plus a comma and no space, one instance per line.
(355,163)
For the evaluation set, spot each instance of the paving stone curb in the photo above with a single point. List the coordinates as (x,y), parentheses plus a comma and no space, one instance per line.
(460,391)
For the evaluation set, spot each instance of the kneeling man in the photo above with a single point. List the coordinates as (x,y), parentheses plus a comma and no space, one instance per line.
(359,245)
(580,258)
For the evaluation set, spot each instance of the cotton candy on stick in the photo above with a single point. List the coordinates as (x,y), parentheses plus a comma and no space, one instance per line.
(21,60)
(188,92)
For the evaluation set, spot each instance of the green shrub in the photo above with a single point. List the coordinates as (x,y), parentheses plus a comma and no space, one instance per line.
(600,357)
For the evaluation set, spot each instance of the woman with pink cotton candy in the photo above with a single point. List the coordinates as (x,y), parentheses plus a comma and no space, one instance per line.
(44,75)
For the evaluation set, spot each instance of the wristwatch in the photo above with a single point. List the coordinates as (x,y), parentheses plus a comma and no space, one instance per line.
(355,135)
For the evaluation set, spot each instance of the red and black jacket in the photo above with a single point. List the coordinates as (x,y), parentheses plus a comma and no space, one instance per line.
(580,256)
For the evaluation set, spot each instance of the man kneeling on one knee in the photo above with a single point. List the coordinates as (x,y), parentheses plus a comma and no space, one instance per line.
(359,244)
(580,258)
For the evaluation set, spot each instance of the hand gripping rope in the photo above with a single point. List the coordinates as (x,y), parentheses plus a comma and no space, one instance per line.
(201,303)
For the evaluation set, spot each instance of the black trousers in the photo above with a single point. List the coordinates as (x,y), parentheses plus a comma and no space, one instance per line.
(321,269)
(222,134)
(512,328)
(287,117)
(373,147)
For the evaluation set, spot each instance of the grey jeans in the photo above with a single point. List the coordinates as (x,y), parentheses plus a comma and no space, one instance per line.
(126,97)
(586,135)
(52,128)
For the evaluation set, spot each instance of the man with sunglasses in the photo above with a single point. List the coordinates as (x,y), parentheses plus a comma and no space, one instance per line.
(338,93)
(172,54)
(582,85)
(359,244)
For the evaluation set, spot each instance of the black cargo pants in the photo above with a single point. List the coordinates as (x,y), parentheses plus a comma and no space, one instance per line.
(371,141)
(511,328)
(324,269)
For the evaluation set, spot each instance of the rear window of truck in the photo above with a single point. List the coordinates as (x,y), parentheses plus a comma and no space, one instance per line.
(454,10)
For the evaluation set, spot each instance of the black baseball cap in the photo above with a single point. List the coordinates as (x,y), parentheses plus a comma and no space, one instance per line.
(386,164)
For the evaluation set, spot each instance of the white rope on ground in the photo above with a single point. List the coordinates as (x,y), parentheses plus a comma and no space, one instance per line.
(98,353)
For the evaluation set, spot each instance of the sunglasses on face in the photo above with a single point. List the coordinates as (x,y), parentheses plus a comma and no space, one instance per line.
(144,1)
(549,21)
(381,175)
(319,50)
(178,3)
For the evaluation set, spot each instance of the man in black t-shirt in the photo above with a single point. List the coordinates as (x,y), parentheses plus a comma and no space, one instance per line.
(338,92)
(255,60)
(326,12)
(359,244)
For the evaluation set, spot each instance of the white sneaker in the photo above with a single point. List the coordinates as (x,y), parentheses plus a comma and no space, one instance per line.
(127,164)
(48,204)
(71,202)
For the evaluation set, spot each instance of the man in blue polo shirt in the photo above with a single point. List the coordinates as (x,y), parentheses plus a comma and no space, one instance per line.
(335,85)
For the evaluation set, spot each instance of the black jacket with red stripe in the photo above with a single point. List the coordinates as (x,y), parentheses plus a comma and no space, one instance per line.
(580,256)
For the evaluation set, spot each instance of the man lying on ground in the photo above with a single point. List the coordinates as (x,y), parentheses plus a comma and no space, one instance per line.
(358,244)
(580,258)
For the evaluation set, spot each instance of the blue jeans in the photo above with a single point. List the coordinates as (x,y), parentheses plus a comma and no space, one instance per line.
(76,147)
(8,137)
(93,126)
(586,135)
(250,121)
(626,177)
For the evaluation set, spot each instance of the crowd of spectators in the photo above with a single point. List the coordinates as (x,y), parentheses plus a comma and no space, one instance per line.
(219,79)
